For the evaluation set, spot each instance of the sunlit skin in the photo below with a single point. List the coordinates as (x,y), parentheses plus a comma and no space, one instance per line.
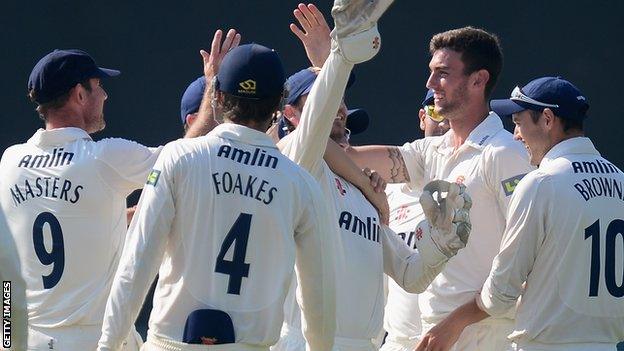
(94,108)
(540,136)
(293,114)
(84,109)
(458,96)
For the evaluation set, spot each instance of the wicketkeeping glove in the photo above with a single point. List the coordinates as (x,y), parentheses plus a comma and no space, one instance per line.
(355,33)
(448,221)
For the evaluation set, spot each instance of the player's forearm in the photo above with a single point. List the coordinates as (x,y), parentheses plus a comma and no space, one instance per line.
(412,270)
(385,159)
(319,112)
(342,165)
(205,121)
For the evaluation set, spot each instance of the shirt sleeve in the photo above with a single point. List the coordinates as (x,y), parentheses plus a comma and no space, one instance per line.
(413,155)
(406,266)
(524,235)
(129,160)
(306,145)
(315,271)
(142,254)
(504,168)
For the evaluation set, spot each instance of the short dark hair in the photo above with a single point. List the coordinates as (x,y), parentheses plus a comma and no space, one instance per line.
(57,102)
(478,48)
(244,110)
(568,124)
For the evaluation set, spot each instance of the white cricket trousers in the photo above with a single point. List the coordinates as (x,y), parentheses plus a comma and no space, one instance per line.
(291,339)
(155,343)
(487,335)
(74,338)
(395,343)
(533,346)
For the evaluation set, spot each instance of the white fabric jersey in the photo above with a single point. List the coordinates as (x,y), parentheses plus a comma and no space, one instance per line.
(64,197)
(489,163)
(402,314)
(364,249)
(225,217)
(565,238)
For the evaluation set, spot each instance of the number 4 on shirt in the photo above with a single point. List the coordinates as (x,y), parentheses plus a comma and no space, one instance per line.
(236,268)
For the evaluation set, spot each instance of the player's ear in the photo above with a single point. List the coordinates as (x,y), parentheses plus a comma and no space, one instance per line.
(480,78)
(78,93)
(421,116)
(290,114)
(190,118)
(548,118)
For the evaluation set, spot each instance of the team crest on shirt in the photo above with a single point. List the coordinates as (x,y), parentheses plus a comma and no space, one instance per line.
(340,188)
(152,178)
(402,213)
(509,185)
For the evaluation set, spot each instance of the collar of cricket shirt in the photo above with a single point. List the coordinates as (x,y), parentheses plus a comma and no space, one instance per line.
(478,138)
(58,136)
(483,133)
(244,134)
(576,145)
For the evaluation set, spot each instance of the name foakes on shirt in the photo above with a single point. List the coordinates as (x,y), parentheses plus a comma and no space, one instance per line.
(245,185)
(605,186)
(47,187)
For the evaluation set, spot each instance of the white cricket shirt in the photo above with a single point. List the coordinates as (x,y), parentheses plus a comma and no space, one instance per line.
(365,250)
(225,216)
(64,198)
(565,238)
(402,314)
(489,163)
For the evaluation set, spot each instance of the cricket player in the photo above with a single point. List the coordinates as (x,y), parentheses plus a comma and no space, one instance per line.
(564,233)
(366,249)
(65,203)
(208,219)
(477,152)
(14,334)
(402,314)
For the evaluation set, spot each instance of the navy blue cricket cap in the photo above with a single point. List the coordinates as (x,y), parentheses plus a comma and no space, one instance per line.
(428,100)
(251,71)
(559,95)
(192,97)
(301,83)
(59,71)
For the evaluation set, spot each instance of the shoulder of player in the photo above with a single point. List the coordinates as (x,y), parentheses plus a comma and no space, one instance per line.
(13,150)
(535,182)
(503,146)
(119,145)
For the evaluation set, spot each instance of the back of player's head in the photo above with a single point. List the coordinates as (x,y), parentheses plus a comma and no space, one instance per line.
(58,72)
(251,77)
(192,98)
(478,48)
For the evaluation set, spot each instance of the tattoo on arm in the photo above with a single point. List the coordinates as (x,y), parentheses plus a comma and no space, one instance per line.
(398,172)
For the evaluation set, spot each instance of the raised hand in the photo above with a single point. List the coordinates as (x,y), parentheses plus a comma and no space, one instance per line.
(218,49)
(314,33)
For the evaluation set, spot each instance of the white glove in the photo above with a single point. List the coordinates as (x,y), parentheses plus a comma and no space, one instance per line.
(448,219)
(355,33)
